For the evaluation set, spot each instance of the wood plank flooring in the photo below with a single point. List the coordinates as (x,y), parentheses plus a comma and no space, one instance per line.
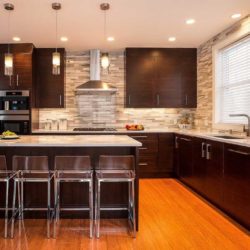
(171,217)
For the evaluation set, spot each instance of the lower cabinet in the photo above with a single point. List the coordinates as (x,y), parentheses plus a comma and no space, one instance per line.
(155,154)
(217,171)
(236,187)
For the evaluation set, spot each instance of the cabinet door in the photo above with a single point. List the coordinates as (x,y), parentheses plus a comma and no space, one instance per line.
(166,153)
(186,159)
(236,187)
(5,81)
(49,87)
(199,165)
(140,75)
(214,172)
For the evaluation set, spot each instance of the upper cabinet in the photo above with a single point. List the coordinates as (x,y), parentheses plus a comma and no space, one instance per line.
(49,87)
(22,77)
(161,78)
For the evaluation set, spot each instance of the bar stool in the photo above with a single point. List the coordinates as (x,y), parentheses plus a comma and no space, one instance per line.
(32,169)
(73,169)
(116,169)
(5,177)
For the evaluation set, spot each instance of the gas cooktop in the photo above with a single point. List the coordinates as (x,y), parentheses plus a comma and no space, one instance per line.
(94,129)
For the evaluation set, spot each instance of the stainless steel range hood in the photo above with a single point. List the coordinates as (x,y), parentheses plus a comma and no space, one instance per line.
(95,84)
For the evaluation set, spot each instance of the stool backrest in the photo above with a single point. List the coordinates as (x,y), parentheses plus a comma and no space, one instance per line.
(116,162)
(3,165)
(35,163)
(73,163)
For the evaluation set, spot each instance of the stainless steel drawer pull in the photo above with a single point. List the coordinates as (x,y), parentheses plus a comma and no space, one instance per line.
(143,148)
(208,157)
(185,139)
(238,152)
(143,164)
(139,136)
(176,142)
(203,150)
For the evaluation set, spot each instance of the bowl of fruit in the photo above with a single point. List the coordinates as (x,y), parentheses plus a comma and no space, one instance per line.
(135,127)
(7,135)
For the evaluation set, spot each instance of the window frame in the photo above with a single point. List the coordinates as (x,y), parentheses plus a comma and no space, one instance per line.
(232,39)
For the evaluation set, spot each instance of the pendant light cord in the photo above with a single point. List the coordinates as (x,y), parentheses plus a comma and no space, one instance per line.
(56,30)
(9,32)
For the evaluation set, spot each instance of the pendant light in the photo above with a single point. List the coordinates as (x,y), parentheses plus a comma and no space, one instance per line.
(8,57)
(56,57)
(105,62)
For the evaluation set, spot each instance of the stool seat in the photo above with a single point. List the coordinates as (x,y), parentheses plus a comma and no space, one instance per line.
(34,176)
(6,175)
(71,176)
(115,175)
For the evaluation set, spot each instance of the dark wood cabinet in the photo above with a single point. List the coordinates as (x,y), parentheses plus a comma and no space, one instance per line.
(166,153)
(186,159)
(236,186)
(155,154)
(49,87)
(161,78)
(23,69)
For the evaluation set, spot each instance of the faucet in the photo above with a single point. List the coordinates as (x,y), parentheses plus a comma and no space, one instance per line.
(248,118)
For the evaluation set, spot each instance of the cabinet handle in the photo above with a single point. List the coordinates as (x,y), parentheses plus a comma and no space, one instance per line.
(60,100)
(143,148)
(10,81)
(143,164)
(17,80)
(158,99)
(128,99)
(139,136)
(238,152)
(186,99)
(185,139)
(176,142)
(203,150)
(208,155)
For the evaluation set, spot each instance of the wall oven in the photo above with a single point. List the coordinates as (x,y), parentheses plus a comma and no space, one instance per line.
(15,111)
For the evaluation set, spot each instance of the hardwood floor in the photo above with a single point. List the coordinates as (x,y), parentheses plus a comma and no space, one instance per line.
(171,217)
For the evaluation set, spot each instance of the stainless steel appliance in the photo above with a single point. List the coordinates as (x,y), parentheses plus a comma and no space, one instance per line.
(15,111)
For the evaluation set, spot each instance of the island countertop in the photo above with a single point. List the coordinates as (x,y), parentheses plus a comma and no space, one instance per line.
(71,141)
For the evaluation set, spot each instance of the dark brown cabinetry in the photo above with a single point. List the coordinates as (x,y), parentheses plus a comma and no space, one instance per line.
(185,159)
(155,154)
(236,186)
(49,87)
(23,69)
(208,169)
(161,78)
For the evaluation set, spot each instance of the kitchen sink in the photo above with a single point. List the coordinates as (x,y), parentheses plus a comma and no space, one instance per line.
(227,137)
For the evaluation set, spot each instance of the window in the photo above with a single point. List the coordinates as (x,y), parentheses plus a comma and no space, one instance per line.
(232,86)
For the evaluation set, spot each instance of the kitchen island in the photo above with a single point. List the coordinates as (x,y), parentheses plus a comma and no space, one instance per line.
(75,194)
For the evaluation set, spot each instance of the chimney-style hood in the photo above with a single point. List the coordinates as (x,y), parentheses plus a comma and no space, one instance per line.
(95,84)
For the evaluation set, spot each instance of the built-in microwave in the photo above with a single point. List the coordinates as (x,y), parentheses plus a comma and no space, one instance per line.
(20,127)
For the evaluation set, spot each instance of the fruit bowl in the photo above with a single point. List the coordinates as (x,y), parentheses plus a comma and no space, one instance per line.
(134,127)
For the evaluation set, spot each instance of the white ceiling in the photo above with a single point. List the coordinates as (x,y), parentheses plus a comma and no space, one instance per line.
(133,23)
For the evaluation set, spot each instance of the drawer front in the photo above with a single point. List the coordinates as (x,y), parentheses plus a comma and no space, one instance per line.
(144,137)
(147,164)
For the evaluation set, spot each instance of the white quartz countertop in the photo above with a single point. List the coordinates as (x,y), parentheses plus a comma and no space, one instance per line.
(71,141)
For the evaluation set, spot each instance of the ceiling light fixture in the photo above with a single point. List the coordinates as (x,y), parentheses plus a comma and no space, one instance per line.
(110,39)
(8,57)
(105,62)
(64,39)
(16,39)
(172,39)
(190,21)
(56,57)
(235,16)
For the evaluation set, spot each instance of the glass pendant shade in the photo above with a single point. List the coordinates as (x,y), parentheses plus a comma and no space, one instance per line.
(105,60)
(56,61)
(8,64)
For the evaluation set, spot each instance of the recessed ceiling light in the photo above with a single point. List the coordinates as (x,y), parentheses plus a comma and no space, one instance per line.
(64,39)
(110,39)
(172,39)
(16,39)
(190,21)
(236,15)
